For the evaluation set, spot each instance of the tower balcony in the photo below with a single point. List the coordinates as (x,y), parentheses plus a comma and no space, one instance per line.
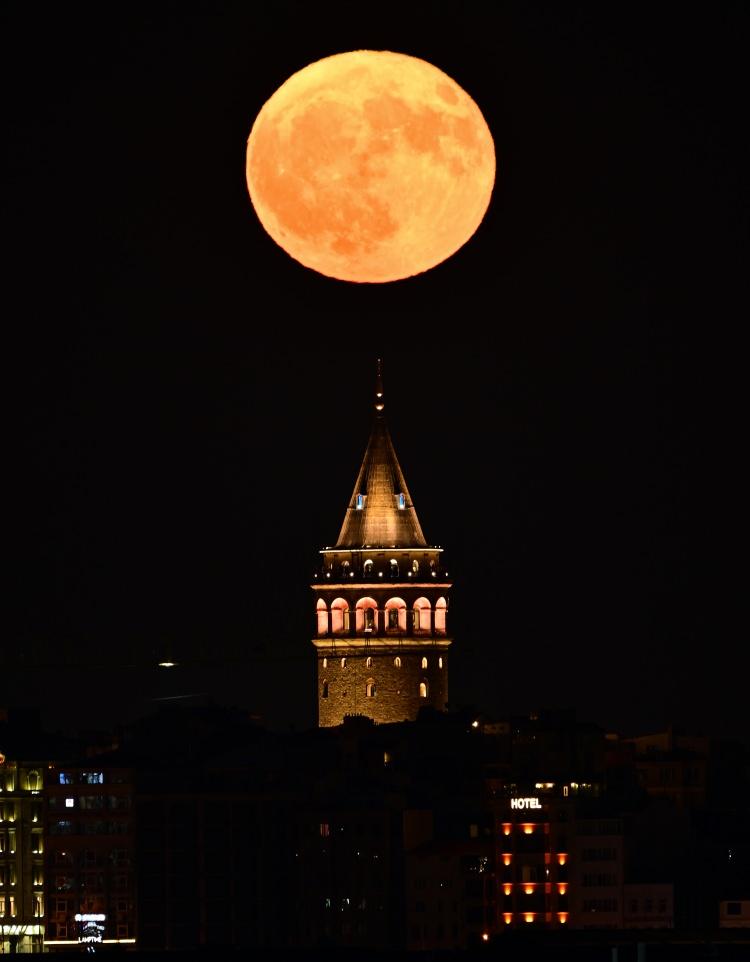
(387,636)
(382,566)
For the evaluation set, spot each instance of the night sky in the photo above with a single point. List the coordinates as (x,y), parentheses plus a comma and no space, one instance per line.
(193,405)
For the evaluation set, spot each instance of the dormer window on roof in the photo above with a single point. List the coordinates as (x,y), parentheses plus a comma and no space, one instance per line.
(360,502)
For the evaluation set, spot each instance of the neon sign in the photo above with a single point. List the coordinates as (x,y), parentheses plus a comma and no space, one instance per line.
(525,803)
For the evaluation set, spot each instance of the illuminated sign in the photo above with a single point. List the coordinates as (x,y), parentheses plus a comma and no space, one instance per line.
(525,803)
(90,928)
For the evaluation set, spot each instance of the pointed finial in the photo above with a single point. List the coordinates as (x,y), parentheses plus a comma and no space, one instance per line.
(379,397)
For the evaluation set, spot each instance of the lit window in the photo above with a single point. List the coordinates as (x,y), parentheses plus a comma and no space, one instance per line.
(368,568)
(360,502)
(66,778)
(424,662)
(92,778)
(401,502)
(368,662)
(440,662)
(397,662)
(370,689)
(325,662)
(422,689)
(343,662)
(69,802)
(415,567)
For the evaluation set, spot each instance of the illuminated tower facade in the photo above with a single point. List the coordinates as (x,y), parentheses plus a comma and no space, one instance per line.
(381,599)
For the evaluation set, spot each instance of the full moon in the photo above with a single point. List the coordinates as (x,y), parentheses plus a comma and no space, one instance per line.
(370,166)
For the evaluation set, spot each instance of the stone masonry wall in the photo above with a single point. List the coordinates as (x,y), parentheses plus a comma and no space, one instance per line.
(396,695)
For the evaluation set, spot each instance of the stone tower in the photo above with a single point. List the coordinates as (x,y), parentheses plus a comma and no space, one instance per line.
(381,600)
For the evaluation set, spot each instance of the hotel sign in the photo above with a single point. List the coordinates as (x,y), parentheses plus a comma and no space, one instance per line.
(525,803)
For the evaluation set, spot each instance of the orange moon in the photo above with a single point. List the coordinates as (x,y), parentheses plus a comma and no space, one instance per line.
(370,166)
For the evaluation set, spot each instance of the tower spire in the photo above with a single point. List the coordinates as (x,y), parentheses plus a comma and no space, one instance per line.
(379,394)
(381,512)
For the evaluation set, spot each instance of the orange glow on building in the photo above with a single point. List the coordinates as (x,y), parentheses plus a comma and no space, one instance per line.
(562,917)
(506,858)
(528,888)
(506,828)
(529,916)
(528,828)
(485,936)
(562,887)
(507,888)
(507,917)
(562,858)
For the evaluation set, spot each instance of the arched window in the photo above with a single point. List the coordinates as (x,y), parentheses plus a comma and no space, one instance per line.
(345,570)
(370,688)
(321,612)
(421,615)
(440,608)
(440,662)
(424,662)
(395,614)
(415,566)
(325,689)
(325,662)
(423,689)
(394,569)
(397,662)
(343,662)
(368,568)
(368,663)
(339,615)
(366,612)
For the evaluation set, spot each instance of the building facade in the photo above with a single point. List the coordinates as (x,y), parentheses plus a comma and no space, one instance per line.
(21,856)
(89,852)
(381,600)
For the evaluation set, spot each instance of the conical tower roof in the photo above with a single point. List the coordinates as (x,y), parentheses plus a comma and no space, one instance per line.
(380,513)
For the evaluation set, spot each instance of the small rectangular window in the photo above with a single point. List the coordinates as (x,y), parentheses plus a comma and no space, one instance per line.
(360,502)
(401,502)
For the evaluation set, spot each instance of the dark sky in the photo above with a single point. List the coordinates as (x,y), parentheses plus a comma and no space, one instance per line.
(193,405)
